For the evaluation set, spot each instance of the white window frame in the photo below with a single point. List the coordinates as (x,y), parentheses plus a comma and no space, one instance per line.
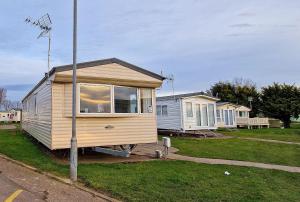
(140,101)
(218,116)
(162,106)
(158,112)
(137,99)
(92,84)
(186,110)
(207,115)
(112,100)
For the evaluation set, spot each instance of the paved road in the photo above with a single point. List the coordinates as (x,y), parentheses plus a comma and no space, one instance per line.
(22,184)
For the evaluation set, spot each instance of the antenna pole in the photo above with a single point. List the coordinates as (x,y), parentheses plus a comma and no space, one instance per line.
(73,152)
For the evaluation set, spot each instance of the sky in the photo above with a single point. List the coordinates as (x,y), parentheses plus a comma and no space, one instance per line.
(199,42)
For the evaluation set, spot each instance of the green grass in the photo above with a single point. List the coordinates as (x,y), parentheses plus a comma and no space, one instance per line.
(187,181)
(238,149)
(289,134)
(164,180)
(17,146)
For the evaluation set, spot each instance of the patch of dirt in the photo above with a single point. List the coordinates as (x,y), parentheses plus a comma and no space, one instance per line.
(8,127)
(96,157)
(192,134)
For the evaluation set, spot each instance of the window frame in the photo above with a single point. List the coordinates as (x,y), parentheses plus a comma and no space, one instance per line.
(112,113)
(140,101)
(138,111)
(162,114)
(188,115)
(35,105)
(158,112)
(92,84)
(207,115)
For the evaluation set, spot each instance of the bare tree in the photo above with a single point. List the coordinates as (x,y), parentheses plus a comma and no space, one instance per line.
(2,95)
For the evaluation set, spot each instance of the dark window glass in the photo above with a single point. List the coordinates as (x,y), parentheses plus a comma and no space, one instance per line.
(125,99)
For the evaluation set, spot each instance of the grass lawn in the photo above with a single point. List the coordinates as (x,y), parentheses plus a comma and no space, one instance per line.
(289,134)
(165,180)
(238,149)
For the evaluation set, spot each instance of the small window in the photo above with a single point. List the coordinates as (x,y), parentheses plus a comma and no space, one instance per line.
(35,105)
(146,100)
(164,110)
(158,110)
(189,109)
(125,99)
(95,99)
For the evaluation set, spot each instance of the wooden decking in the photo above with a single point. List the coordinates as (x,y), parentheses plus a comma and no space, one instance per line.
(253,122)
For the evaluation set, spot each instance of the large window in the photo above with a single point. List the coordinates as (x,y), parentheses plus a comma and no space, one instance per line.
(205,115)
(125,99)
(95,99)
(189,109)
(146,100)
(162,110)
(198,114)
(211,114)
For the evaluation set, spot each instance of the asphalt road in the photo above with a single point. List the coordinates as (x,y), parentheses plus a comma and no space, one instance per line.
(18,183)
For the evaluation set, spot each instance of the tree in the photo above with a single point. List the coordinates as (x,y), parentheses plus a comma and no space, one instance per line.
(281,101)
(238,92)
(2,95)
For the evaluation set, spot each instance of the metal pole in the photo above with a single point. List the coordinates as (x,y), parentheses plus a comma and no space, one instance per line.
(73,152)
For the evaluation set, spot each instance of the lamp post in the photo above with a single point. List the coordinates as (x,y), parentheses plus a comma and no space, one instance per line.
(73,150)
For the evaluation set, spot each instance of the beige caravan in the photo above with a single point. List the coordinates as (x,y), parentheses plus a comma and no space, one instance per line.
(115,105)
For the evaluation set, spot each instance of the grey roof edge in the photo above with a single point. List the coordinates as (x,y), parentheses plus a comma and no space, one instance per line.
(160,98)
(91,64)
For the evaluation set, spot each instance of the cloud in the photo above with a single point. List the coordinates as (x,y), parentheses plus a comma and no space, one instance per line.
(200,42)
(18,87)
(246,14)
(242,25)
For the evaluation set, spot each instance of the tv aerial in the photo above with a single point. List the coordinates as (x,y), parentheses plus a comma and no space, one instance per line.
(44,23)
(170,80)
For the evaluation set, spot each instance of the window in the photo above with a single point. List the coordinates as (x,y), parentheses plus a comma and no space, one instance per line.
(164,110)
(189,109)
(211,114)
(226,117)
(125,99)
(95,98)
(198,114)
(146,100)
(233,115)
(35,105)
(218,115)
(158,110)
(230,117)
(205,115)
